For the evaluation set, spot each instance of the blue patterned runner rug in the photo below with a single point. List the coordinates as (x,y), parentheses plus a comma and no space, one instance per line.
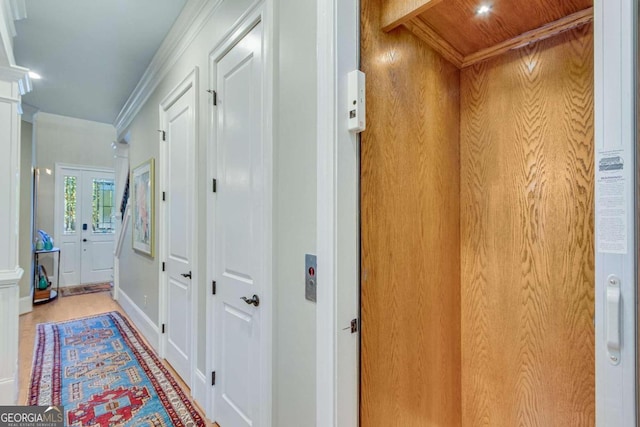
(104,374)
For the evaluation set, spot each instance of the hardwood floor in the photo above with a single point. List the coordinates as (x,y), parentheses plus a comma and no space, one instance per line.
(67,308)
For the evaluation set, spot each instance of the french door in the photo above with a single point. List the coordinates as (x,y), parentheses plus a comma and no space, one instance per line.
(84,224)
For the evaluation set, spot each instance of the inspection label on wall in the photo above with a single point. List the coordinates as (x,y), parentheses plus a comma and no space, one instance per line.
(611,205)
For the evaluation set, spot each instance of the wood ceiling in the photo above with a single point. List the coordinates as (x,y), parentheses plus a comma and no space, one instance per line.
(453,29)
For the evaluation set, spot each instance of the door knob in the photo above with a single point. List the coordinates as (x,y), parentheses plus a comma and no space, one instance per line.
(253,301)
(187,275)
(84,240)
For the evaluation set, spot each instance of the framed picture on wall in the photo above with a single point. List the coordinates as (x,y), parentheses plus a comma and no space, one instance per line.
(142,203)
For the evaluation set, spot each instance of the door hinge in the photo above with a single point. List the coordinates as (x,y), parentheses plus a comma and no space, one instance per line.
(164,134)
(214,94)
(164,196)
(215,185)
(163,328)
(354,326)
(213,287)
(163,266)
(213,378)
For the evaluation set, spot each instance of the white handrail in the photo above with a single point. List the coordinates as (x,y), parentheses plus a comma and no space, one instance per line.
(123,230)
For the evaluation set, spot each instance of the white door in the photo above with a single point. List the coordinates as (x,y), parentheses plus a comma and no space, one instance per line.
(68,233)
(84,230)
(98,226)
(239,233)
(178,208)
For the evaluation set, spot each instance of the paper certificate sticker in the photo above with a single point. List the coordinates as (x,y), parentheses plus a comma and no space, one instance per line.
(611,211)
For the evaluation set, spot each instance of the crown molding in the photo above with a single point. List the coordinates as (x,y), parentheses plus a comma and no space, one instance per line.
(28,112)
(74,122)
(18,9)
(190,22)
(14,10)
(7,31)
(10,10)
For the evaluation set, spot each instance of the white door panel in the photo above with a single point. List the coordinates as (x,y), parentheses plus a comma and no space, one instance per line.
(239,232)
(101,255)
(179,121)
(69,261)
(237,327)
(98,226)
(68,228)
(178,336)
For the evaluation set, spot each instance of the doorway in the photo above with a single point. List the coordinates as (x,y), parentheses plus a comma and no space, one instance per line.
(84,223)
(178,236)
(240,238)
(478,277)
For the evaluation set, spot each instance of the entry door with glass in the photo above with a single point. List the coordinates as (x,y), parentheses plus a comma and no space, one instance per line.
(85,226)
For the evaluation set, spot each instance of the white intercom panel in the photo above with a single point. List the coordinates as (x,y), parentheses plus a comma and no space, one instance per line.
(357,104)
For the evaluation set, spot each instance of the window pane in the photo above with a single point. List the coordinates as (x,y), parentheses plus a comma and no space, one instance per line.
(70,185)
(102,218)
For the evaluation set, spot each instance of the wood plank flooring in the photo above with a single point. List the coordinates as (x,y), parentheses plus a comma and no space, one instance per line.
(68,308)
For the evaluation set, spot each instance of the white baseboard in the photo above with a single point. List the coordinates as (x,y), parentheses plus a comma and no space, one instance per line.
(199,390)
(8,392)
(26,305)
(147,328)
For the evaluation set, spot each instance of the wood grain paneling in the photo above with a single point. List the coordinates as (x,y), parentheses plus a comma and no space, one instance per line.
(397,12)
(527,236)
(410,367)
(546,31)
(456,20)
(425,33)
(420,28)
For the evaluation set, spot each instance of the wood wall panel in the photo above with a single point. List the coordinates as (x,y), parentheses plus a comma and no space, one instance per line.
(410,367)
(397,12)
(527,236)
(457,22)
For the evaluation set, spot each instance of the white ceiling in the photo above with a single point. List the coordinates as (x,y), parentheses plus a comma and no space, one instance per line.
(90,53)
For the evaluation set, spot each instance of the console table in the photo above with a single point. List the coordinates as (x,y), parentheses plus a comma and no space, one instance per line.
(53,294)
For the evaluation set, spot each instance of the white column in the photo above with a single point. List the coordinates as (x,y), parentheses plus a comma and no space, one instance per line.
(13,84)
(9,342)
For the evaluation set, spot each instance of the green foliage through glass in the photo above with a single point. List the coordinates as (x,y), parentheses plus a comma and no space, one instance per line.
(102,203)
(70,187)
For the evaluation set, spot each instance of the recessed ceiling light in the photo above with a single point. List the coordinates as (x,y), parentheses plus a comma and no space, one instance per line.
(483,10)
(34,75)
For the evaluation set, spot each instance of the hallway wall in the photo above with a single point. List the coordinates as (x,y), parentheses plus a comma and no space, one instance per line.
(294,216)
(294,212)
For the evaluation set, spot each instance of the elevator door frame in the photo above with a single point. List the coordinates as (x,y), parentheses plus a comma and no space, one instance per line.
(615,34)
(615,124)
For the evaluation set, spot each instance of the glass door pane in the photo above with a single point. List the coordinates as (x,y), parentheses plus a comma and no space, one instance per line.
(70,203)
(102,206)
